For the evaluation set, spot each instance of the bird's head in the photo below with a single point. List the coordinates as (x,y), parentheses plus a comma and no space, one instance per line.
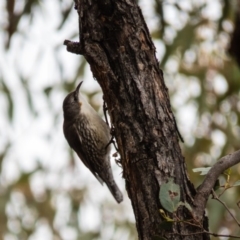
(72,104)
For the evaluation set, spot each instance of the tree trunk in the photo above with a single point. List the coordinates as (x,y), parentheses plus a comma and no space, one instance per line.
(115,41)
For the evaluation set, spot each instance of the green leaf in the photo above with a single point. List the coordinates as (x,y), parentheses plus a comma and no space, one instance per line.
(170,195)
(188,206)
(203,171)
(237,183)
(185,204)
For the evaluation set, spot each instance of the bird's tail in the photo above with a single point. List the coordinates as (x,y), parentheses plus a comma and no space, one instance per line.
(106,175)
(112,186)
(117,194)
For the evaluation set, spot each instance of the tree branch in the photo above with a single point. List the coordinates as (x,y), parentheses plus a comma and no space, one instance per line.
(205,188)
(73,47)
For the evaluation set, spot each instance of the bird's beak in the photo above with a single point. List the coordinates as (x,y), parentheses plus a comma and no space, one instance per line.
(76,92)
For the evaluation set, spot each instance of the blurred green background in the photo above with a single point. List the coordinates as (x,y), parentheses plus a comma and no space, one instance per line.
(45,191)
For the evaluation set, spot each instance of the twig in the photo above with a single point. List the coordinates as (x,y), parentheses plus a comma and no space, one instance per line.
(225,188)
(204,190)
(205,231)
(223,203)
(188,222)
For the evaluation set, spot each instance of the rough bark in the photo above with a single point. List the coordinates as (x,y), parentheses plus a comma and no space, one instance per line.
(115,41)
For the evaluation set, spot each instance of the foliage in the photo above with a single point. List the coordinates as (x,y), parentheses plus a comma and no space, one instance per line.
(170,196)
(44,189)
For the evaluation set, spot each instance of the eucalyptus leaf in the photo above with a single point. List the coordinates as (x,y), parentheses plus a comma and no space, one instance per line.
(170,195)
(237,183)
(204,171)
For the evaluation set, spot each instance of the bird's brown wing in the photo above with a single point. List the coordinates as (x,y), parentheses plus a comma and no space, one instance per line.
(84,148)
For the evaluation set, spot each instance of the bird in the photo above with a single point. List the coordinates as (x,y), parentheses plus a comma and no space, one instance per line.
(89,136)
